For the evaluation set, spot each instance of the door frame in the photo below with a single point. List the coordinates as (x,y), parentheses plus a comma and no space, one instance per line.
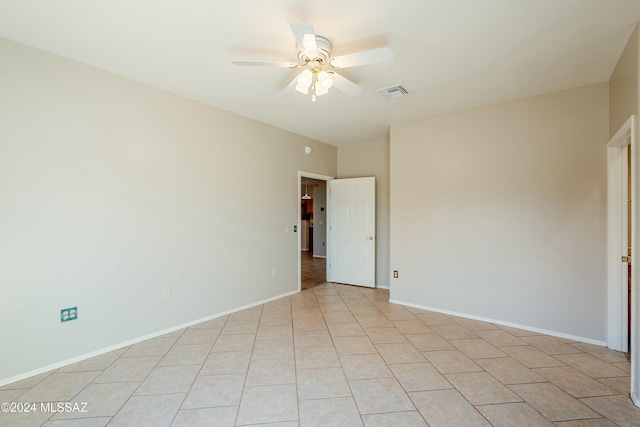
(303,174)
(623,143)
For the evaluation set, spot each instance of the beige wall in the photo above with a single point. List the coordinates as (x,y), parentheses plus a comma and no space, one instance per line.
(623,85)
(499,212)
(112,191)
(372,159)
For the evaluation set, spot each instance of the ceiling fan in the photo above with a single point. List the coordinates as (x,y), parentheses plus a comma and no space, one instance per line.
(319,67)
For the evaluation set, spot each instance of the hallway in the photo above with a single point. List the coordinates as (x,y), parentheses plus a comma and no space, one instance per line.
(313,270)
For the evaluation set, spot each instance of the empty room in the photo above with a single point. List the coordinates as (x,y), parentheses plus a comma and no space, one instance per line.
(317,213)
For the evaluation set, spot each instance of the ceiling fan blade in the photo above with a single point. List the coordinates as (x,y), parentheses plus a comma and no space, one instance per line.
(374,56)
(266,63)
(345,85)
(300,29)
(290,89)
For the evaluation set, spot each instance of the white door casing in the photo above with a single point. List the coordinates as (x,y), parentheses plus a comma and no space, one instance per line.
(621,145)
(351,235)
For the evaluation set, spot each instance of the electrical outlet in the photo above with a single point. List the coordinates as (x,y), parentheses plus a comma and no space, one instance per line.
(166,294)
(67,314)
(395,274)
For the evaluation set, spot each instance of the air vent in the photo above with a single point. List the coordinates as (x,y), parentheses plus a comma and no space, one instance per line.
(393,92)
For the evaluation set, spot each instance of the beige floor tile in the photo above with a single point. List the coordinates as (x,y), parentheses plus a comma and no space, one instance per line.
(199,336)
(395,419)
(336,412)
(243,342)
(215,390)
(277,349)
(419,377)
(339,316)
(152,347)
(429,342)
(622,385)
(217,323)
(80,422)
(339,306)
(169,379)
(509,371)
(240,327)
(354,345)
(475,325)
(276,319)
(252,313)
(531,357)
(24,419)
(395,313)
(128,369)
(380,395)
(618,409)
(329,299)
(343,329)
(158,410)
(270,333)
(365,310)
(517,332)
(480,388)
(192,354)
(453,332)
(322,383)
(268,404)
(596,422)
(443,408)
(375,321)
(230,362)
(102,400)
(224,416)
(97,363)
(11,395)
(550,345)
(499,338)
(312,339)
(552,402)
(399,353)
(451,361)
(433,319)
(310,324)
(477,348)
(385,335)
(317,357)
(625,366)
(602,353)
(513,415)
(412,327)
(574,382)
(271,372)
(365,366)
(591,365)
(27,382)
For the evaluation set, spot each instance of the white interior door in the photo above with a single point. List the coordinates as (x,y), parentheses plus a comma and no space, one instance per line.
(352,227)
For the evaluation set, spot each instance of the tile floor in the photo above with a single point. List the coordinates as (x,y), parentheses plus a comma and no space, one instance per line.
(313,270)
(338,355)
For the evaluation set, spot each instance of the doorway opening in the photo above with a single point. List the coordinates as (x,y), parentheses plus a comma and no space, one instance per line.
(312,226)
(313,232)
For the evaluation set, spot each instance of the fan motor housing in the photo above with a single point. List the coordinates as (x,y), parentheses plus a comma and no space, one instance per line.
(323,52)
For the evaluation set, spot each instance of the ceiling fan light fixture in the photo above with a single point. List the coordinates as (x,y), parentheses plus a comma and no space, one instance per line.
(319,90)
(305,78)
(324,80)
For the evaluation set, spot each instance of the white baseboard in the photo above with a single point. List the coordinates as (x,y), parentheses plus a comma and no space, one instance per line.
(77,359)
(509,324)
(319,256)
(383,287)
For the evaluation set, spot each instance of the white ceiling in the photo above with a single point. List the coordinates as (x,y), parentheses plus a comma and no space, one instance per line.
(450,54)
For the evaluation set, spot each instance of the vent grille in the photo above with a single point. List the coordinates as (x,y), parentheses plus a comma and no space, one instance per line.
(393,92)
